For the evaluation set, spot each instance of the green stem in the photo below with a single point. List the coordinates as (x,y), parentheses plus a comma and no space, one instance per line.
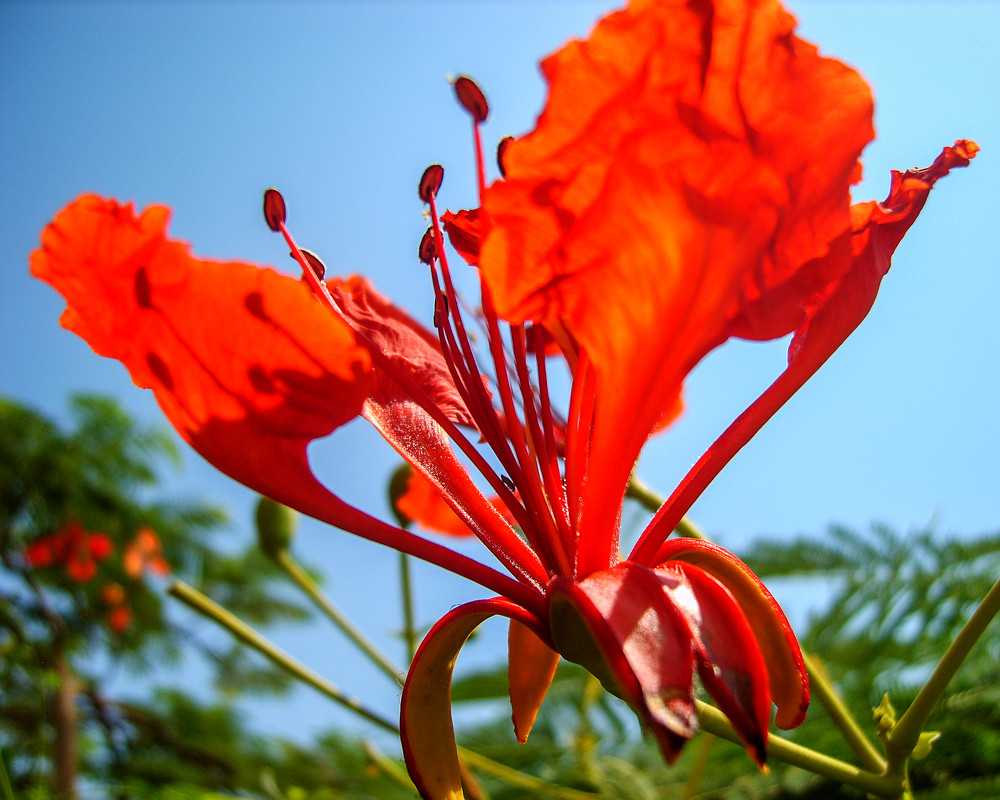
(652,500)
(823,690)
(209,608)
(295,571)
(406,588)
(905,734)
(693,782)
(5,786)
(714,722)
(388,766)
(820,684)
(238,628)
(515,778)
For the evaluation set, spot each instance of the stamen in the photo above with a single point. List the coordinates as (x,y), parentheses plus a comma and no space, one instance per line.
(274,209)
(430,182)
(472,98)
(540,444)
(530,483)
(465,373)
(524,570)
(317,265)
(488,421)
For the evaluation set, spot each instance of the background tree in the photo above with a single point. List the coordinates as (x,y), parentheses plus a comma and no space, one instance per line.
(86,541)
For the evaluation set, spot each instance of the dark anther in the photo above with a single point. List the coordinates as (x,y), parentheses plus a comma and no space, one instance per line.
(430,182)
(143,291)
(314,261)
(428,248)
(501,151)
(508,483)
(274,209)
(441,310)
(472,98)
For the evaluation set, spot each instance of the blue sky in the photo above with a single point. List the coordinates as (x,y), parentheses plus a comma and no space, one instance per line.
(200,106)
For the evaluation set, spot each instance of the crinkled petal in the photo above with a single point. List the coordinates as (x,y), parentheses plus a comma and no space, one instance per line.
(691,158)
(830,316)
(247,365)
(244,362)
(426,730)
(465,230)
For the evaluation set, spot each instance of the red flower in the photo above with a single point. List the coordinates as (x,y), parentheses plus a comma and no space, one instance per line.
(687,182)
(145,554)
(119,614)
(73,548)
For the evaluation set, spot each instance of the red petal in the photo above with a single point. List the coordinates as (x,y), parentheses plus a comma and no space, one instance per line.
(426,731)
(244,362)
(691,158)
(414,434)
(423,504)
(623,627)
(830,317)
(788,679)
(729,660)
(531,665)
(412,348)
(464,229)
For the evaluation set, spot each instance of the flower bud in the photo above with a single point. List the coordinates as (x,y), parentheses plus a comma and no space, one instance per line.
(472,98)
(398,484)
(430,182)
(275,526)
(274,209)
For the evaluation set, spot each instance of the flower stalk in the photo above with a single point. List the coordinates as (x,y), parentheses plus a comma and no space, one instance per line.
(209,609)
(903,737)
(304,581)
(714,722)
(406,590)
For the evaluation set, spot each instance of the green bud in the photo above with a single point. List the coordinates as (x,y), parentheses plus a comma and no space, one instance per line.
(884,715)
(275,526)
(397,488)
(924,742)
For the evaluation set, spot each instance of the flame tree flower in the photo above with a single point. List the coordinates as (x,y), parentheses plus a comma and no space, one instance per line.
(687,182)
(72,547)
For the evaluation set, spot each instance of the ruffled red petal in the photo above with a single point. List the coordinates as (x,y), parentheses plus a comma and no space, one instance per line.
(692,158)
(244,362)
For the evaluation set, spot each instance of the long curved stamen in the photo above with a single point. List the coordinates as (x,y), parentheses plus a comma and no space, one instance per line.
(578,425)
(470,385)
(525,571)
(489,421)
(547,539)
(555,487)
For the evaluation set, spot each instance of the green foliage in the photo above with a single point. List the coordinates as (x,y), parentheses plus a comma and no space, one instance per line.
(85,545)
(891,605)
